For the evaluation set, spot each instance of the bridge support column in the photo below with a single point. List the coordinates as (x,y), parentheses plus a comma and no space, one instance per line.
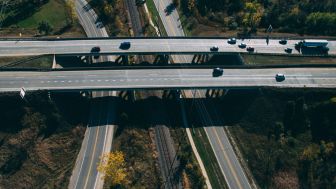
(127,95)
(165,94)
(118,60)
(171,94)
(124,59)
(207,58)
(213,93)
(87,94)
(196,59)
(161,59)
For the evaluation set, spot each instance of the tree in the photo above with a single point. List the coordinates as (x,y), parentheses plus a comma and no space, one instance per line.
(252,17)
(112,165)
(70,5)
(191,5)
(44,27)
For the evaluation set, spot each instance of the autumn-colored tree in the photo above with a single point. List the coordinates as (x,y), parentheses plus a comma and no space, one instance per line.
(70,5)
(112,165)
(252,17)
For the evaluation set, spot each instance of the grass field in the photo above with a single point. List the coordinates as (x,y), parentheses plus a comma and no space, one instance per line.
(53,12)
(269,59)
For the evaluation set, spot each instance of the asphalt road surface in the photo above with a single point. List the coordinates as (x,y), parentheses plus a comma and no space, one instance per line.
(97,140)
(166,79)
(99,133)
(142,46)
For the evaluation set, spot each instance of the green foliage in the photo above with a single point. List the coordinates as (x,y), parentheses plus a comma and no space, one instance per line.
(318,21)
(294,137)
(44,27)
(20,9)
(309,16)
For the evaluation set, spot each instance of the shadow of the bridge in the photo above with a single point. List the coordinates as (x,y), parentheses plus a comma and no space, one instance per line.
(200,112)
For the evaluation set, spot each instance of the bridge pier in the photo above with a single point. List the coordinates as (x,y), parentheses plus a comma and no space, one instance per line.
(127,95)
(171,94)
(122,59)
(196,59)
(161,59)
(87,94)
(215,93)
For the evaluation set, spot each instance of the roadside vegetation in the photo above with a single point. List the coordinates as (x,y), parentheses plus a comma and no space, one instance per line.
(113,15)
(189,171)
(255,59)
(27,62)
(40,138)
(135,143)
(252,16)
(39,18)
(208,157)
(287,138)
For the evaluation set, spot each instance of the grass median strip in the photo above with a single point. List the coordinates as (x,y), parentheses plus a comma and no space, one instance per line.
(210,162)
(156,17)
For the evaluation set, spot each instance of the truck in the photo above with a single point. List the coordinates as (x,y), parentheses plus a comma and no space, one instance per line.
(320,45)
(314,43)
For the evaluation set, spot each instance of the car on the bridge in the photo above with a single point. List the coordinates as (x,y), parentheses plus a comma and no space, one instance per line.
(232,41)
(279,77)
(283,41)
(250,49)
(95,50)
(214,48)
(125,45)
(288,50)
(217,72)
(242,45)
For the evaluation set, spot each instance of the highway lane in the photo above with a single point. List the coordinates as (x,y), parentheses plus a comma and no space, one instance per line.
(143,46)
(99,133)
(172,26)
(166,79)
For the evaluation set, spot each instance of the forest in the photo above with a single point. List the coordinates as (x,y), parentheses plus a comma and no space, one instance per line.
(315,17)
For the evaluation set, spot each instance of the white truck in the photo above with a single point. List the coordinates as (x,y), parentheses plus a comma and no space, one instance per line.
(319,45)
(314,43)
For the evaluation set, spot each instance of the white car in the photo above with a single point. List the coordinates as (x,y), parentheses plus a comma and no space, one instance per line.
(232,41)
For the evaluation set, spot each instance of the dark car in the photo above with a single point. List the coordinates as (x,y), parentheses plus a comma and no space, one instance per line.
(279,77)
(95,50)
(283,41)
(217,72)
(214,48)
(242,45)
(250,49)
(288,50)
(125,45)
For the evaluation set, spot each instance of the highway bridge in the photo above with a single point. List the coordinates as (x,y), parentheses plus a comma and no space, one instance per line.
(165,79)
(142,46)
